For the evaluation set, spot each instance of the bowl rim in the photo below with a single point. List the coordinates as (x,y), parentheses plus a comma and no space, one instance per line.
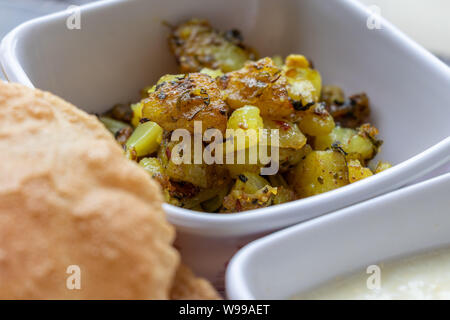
(236,279)
(9,61)
(269,219)
(279,216)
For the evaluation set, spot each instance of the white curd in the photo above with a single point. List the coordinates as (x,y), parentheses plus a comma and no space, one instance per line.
(424,276)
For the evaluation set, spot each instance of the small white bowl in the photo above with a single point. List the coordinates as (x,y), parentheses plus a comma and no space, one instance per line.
(305,256)
(121,47)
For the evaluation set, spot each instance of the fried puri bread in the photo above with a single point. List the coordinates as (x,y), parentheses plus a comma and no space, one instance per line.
(70,201)
(189,287)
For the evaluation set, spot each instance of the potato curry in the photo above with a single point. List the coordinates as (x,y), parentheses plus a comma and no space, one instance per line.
(325,140)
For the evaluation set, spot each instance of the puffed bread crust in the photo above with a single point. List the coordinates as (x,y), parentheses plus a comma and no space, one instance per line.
(68,196)
(189,287)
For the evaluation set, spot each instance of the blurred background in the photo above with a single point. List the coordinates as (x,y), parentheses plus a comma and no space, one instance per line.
(426,21)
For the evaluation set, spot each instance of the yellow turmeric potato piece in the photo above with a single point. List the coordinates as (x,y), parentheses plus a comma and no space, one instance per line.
(259,84)
(290,135)
(304,84)
(245,123)
(361,145)
(236,169)
(381,166)
(178,103)
(201,174)
(316,121)
(289,158)
(319,172)
(245,118)
(357,172)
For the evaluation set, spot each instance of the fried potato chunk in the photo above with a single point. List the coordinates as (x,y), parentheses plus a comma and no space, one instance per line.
(381,166)
(319,172)
(251,191)
(259,84)
(196,44)
(179,102)
(357,172)
(290,135)
(361,145)
(200,175)
(289,157)
(316,122)
(304,83)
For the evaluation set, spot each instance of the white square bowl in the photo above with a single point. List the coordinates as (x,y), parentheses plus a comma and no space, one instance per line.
(300,258)
(121,47)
